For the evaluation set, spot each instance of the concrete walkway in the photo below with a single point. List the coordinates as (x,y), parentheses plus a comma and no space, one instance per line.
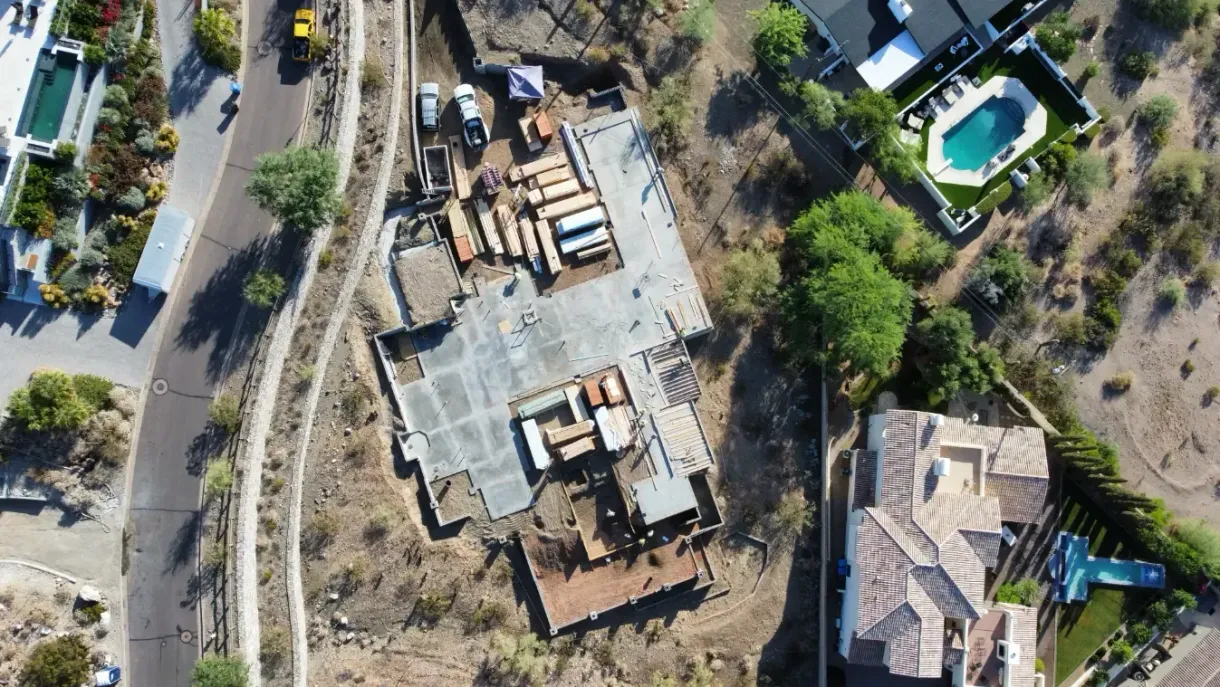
(196,92)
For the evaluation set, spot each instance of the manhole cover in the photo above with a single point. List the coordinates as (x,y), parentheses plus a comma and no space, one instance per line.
(264,48)
(186,636)
(160,386)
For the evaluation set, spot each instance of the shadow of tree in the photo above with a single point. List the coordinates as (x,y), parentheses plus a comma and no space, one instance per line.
(189,83)
(182,548)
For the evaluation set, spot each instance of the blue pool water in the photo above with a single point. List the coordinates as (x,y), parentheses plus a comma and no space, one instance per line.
(970,143)
(1074,570)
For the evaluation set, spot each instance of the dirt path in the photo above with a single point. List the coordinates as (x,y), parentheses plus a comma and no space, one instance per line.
(368,239)
(277,353)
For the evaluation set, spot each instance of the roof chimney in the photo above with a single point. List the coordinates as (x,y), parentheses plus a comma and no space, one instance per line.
(901,9)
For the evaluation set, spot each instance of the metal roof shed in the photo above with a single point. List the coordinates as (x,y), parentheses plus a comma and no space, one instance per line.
(525,83)
(662,497)
(167,241)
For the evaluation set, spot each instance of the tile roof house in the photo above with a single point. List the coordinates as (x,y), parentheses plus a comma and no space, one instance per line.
(886,40)
(927,501)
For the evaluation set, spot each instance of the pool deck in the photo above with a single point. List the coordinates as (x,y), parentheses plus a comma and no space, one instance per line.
(1001,86)
(19,48)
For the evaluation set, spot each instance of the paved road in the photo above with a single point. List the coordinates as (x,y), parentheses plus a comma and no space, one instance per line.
(162,598)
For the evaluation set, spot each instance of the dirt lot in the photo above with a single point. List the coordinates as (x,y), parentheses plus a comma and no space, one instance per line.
(1163,425)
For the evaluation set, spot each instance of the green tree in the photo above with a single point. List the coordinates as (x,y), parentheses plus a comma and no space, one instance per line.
(263,288)
(1002,278)
(225,412)
(1199,536)
(522,658)
(698,20)
(947,337)
(1172,14)
(1158,112)
(781,33)
(60,662)
(856,307)
(48,402)
(298,186)
(215,30)
(870,114)
(1085,176)
(918,252)
(1057,35)
(750,280)
(820,106)
(1121,651)
(218,478)
(220,671)
(1180,598)
(1022,592)
(831,228)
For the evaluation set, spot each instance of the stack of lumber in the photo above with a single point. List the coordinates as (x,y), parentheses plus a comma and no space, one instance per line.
(508,225)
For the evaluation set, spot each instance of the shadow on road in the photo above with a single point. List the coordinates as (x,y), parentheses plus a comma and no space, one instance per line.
(189,83)
(182,548)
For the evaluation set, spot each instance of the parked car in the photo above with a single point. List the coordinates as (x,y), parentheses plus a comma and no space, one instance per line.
(473,127)
(108,676)
(430,106)
(302,35)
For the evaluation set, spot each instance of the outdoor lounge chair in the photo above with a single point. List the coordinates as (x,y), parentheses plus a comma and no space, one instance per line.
(949,96)
(915,122)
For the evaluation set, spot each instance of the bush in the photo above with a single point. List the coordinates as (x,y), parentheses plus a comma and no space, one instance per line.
(1172,292)
(781,33)
(1138,65)
(1170,14)
(156,192)
(125,257)
(1036,191)
(93,391)
(520,659)
(67,190)
(48,402)
(167,140)
(1188,366)
(372,74)
(670,110)
(1072,328)
(994,199)
(273,645)
(489,616)
(1058,35)
(380,524)
(131,202)
(95,55)
(1085,176)
(1022,592)
(750,281)
(59,662)
(1058,157)
(216,31)
(220,671)
(1120,382)
(225,412)
(1212,393)
(1121,651)
(1092,69)
(64,237)
(1003,277)
(1158,112)
(263,288)
(432,606)
(597,54)
(218,479)
(1139,633)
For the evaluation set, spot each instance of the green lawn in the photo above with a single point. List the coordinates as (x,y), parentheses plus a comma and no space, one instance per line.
(1083,628)
(1062,112)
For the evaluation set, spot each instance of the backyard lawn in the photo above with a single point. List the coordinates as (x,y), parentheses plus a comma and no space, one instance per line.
(1082,629)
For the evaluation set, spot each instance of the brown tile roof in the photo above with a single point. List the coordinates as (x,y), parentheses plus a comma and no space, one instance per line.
(1023,631)
(1200,668)
(921,556)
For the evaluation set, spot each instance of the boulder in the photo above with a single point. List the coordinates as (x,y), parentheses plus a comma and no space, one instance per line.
(89,595)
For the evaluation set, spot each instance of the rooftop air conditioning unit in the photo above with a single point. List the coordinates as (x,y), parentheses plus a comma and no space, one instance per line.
(940,467)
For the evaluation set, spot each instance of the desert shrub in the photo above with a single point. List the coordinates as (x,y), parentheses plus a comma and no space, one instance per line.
(1175,183)
(325,258)
(1092,69)
(750,281)
(1087,174)
(93,391)
(220,671)
(225,412)
(1188,366)
(1055,162)
(323,526)
(89,615)
(1120,382)
(698,21)
(131,202)
(1036,191)
(820,106)
(1171,14)
(1171,292)
(218,479)
(59,662)
(1023,592)
(107,435)
(519,658)
(432,606)
(273,645)
(48,402)
(1071,328)
(1158,112)
(597,54)
(1057,35)
(1003,277)
(156,192)
(263,288)
(1206,274)
(372,74)
(380,524)
(1138,64)
(1212,393)
(1186,243)
(670,110)
(793,514)
(489,616)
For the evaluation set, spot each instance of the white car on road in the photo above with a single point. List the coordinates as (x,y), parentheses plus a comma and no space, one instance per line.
(473,127)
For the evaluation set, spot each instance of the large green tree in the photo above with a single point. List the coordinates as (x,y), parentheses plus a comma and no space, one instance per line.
(1057,35)
(59,662)
(820,106)
(856,306)
(781,33)
(297,185)
(871,117)
(48,402)
(220,671)
(952,364)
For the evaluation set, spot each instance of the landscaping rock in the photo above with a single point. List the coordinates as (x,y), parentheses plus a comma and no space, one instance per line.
(89,595)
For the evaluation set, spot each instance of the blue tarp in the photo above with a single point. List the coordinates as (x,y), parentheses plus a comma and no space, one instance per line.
(525,83)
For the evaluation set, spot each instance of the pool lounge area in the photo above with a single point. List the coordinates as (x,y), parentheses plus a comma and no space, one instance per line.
(1073,570)
(971,140)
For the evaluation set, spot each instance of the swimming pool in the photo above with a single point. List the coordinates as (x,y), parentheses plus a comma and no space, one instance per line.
(1074,570)
(49,95)
(983,133)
